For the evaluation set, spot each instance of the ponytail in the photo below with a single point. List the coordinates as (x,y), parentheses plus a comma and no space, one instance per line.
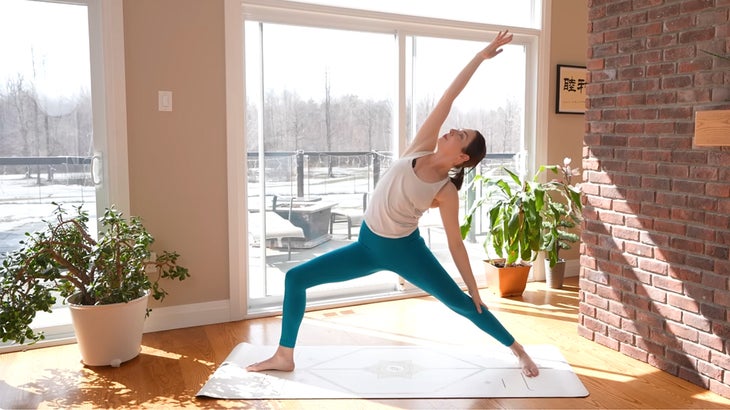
(456,175)
(476,150)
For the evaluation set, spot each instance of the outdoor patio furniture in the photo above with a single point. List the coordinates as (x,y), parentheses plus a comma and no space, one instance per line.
(351,215)
(278,230)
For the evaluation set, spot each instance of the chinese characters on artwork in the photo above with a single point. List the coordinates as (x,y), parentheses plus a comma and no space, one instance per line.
(573,85)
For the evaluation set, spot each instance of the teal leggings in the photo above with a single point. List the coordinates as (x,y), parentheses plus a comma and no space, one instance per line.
(409,257)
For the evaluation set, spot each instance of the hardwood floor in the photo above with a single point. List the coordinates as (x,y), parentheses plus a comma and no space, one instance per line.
(174,364)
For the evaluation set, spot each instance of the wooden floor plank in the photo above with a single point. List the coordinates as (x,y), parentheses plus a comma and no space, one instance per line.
(174,364)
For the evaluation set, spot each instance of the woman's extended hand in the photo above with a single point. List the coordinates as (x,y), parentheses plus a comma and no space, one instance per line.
(477,301)
(494,48)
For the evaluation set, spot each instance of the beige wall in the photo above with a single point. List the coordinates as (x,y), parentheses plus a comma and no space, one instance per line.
(569,43)
(178,180)
(177,160)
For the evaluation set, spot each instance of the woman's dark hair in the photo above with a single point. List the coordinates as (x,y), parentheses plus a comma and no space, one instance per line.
(476,150)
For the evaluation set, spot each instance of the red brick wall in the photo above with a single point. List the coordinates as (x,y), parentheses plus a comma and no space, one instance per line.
(656,240)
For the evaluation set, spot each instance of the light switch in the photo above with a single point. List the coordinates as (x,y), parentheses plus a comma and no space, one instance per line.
(164,100)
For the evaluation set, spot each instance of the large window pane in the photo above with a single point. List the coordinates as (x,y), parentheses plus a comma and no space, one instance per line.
(46,144)
(493,103)
(315,149)
(46,136)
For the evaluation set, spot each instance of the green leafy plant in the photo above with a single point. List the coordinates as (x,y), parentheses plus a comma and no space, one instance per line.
(561,213)
(518,211)
(65,260)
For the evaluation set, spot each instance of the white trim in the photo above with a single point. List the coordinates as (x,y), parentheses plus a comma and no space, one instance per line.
(109,99)
(162,318)
(542,76)
(235,125)
(194,314)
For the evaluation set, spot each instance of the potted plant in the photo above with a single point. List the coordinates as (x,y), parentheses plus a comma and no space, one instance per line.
(561,213)
(96,277)
(516,210)
(513,210)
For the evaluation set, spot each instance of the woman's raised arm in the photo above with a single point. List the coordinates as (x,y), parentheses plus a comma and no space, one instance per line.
(427,135)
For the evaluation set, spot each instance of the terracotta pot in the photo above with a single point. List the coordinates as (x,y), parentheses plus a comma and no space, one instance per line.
(506,281)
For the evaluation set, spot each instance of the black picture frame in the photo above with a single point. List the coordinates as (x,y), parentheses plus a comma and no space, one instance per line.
(570,95)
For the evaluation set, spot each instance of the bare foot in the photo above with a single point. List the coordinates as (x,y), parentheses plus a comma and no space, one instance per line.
(283,360)
(529,368)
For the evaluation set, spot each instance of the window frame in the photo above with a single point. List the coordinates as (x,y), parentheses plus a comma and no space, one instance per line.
(108,90)
(313,15)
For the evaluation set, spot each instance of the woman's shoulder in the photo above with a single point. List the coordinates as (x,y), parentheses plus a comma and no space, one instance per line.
(417,154)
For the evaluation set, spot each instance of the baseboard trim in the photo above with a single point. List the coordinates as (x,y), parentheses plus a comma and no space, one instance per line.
(194,314)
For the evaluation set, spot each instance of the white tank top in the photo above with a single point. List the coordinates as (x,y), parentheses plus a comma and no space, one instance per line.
(400,199)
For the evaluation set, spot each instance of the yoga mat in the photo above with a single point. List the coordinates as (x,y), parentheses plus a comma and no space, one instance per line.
(384,372)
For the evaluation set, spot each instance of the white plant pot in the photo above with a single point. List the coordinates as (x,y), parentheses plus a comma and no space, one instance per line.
(109,335)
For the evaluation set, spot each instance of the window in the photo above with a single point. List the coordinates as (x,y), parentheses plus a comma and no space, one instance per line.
(332,94)
(51,146)
(519,13)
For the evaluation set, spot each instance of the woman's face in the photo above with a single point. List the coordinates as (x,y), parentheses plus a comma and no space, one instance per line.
(455,142)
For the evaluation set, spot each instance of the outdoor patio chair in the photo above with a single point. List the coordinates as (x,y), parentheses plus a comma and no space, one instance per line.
(351,215)
(278,231)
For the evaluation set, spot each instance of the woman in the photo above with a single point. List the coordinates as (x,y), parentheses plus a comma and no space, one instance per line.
(429,174)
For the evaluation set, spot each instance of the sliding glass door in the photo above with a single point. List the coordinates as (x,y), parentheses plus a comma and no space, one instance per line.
(319,132)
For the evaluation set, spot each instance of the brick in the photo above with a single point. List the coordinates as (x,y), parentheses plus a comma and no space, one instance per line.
(671,199)
(700,262)
(661,13)
(707,369)
(606,341)
(654,266)
(656,155)
(668,340)
(683,332)
(683,302)
(670,227)
(676,81)
(700,232)
(691,6)
(679,145)
(687,245)
(644,113)
(626,155)
(691,187)
(645,85)
(704,172)
(699,292)
(665,282)
(634,352)
(661,98)
(693,36)
(681,23)
(659,128)
(696,321)
(670,256)
(702,203)
(639,249)
(692,157)
(655,210)
(715,343)
(714,312)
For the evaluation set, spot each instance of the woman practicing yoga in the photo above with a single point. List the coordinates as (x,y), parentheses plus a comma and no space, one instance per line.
(428,174)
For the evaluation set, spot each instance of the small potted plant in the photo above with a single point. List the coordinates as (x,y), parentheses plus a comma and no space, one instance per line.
(101,278)
(515,209)
(562,212)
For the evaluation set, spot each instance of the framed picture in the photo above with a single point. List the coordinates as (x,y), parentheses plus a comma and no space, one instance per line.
(571,89)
